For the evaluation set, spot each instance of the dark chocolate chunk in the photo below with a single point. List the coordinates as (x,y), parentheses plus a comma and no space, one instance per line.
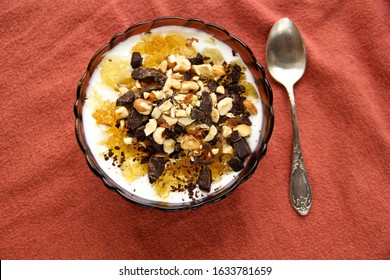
(187,76)
(140,133)
(127,98)
(206,104)
(145,159)
(136,60)
(241,148)
(244,119)
(154,145)
(212,85)
(149,75)
(236,163)
(197,114)
(156,168)
(235,89)
(197,60)
(235,73)
(235,136)
(179,129)
(204,180)
(134,119)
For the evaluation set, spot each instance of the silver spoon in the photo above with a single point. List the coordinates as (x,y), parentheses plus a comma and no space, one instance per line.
(286,61)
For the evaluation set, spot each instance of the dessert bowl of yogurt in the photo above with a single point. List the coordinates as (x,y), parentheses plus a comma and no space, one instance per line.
(174,113)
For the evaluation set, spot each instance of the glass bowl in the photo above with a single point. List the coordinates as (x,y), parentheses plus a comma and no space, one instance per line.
(261,83)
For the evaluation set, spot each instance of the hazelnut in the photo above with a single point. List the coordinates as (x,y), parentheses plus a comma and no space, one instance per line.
(182,64)
(156,113)
(123,90)
(169,146)
(225,105)
(203,69)
(181,113)
(243,129)
(227,149)
(122,112)
(189,142)
(213,98)
(163,66)
(176,84)
(158,94)
(171,60)
(185,121)
(218,70)
(220,89)
(143,106)
(226,131)
(170,121)
(158,135)
(150,127)
(250,107)
(214,115)
(187,86)
(212,132)
(167,105)
(129,140)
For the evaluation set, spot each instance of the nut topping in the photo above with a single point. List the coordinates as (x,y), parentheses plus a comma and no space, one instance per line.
(225,105)
(143,106)
(158,135)
(250,107)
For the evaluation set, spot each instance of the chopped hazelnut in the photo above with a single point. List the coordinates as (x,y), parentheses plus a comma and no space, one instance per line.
(143,106)
(226,131)
(150,127)
(189,142)
(187,86)
(169,146)
(250,107)
(122,112)
(158,135)
(218,70)
(225,105)
(203,69)
(243,129)
(212,132)
(220,89)
(170,121)
(165,106)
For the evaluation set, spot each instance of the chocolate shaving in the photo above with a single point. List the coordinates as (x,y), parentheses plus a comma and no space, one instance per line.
(156,168)
(136,60)
(204,180)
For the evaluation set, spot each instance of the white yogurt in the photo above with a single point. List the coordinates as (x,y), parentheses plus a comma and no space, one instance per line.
(95,135)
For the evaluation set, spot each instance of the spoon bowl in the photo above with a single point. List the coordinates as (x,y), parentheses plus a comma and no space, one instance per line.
(286,53)
(286,62)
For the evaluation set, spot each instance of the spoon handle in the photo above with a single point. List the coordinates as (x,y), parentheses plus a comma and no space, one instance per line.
(300,190)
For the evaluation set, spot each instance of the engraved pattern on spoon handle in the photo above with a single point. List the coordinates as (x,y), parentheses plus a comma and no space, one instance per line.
(300,190)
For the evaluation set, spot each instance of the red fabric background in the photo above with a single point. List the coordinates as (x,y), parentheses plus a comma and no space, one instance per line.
(53,207)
